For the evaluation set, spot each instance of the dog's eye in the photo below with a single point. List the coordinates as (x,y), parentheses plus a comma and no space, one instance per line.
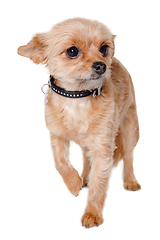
(103,50)
(72,52)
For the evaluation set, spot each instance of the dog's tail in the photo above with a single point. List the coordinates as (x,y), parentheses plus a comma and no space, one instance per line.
(119,149)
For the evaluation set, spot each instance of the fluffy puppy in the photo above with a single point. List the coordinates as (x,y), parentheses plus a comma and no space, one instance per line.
(79,54)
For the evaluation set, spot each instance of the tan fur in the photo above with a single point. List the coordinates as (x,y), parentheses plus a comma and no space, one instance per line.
(106,127)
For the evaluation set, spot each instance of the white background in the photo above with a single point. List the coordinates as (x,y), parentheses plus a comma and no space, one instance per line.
(34,202)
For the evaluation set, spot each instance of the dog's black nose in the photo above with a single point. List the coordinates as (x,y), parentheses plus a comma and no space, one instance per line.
(99,67)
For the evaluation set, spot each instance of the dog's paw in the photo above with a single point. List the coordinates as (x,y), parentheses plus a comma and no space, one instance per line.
(73,182)
(90,220)
(132,185)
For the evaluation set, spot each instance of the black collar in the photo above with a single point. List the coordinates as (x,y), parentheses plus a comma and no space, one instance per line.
(73,94)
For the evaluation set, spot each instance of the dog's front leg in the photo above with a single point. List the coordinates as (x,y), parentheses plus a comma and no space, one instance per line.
(70,176)
(98,182)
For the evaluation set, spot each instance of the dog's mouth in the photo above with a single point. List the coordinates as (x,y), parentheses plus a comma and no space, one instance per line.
(94,81)
(94,78)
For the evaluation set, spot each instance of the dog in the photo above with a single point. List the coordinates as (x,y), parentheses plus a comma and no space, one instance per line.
(90,101)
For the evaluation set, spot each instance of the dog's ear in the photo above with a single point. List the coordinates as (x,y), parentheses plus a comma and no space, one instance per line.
(113,37)
(36,49)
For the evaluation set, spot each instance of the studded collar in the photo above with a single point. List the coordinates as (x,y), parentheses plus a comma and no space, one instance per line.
(73,94)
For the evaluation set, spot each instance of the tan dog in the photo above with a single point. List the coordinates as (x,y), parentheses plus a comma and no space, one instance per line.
(92,103)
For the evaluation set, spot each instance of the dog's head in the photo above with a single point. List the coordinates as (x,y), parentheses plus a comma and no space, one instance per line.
(78,53)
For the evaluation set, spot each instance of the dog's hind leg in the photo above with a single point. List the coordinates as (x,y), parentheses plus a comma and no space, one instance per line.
(130,129)
(70,176)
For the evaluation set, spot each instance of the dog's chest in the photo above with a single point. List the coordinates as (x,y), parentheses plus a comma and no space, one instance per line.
(76,114)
